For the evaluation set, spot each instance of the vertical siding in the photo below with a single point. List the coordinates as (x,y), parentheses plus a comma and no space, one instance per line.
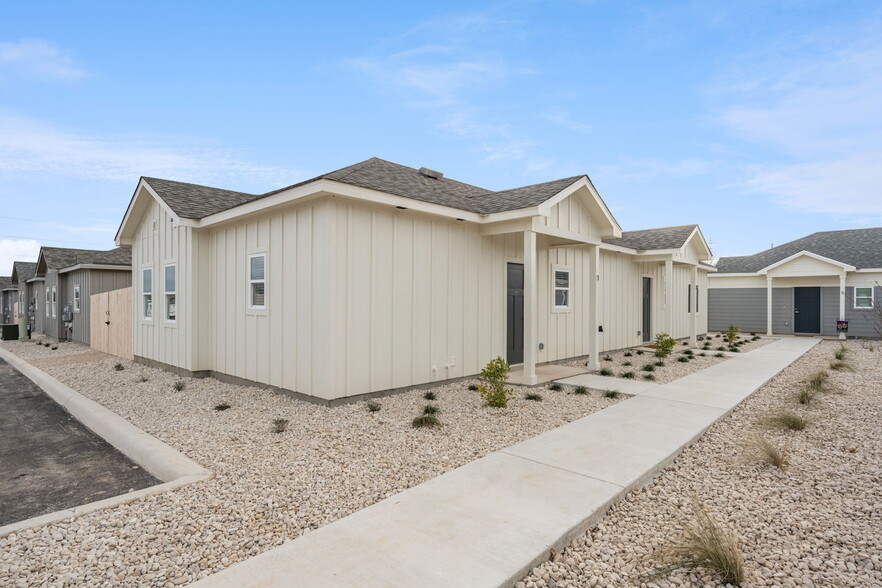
(91,281)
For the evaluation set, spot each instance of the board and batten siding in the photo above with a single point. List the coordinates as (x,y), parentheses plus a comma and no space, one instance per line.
(90,281)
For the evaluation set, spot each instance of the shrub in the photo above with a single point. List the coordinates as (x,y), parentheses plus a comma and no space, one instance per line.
(721,348)
(54,347)
(607,358)
(788,420)
(556,387)
(429,396)
(373,406)
(118,367)
(753,334)
(806,395)
(763,450)
(702,354)
(180,385)
(473,387)
(628,375)
(719,354)
(648,367)
(580,390)
(755,338)
(627,363)
(46,344)
(734,349)
(818,381)
(611,394)
(222,406)
(280,425)
(606,372)
(841,352)
(533,396)
(664,344)
(425,420)
(732,334)
(704,543)
(493,391)
(627,354)
(639,352)
(688,352)
(430,409)
(683,359)
(659,363)
(840,366)
(648,377)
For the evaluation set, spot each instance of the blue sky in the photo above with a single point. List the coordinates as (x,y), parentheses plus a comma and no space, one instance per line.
(761,121)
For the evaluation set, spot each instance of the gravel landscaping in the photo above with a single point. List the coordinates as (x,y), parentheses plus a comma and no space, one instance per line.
(268,487)
(816,523)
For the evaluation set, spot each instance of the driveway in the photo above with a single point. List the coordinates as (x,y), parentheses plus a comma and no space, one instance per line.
(48,460)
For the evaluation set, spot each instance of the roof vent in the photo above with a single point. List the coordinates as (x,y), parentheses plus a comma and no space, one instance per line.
(430,173)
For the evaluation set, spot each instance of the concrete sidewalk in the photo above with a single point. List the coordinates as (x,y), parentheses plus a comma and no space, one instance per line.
(491,521)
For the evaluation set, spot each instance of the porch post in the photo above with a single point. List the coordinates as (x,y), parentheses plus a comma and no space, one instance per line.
(531,319)
(841,301)
(768,304)
(693,316)
(669,299)
(593,279)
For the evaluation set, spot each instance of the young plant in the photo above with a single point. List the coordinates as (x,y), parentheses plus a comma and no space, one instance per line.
(426,420)
(142,378)
(118,367)
(280,425)
(806,395)
(702,354)
(580,390)
(611,394)
(659,363)
(840,366)
(54,347)
(719,354)
(788,420)
(639,352)
(732,334)
(607,358)
(627,363)
(373,406)
(648,367)
(627,354)
(628,375)
(221,407)
(818,381)
(606,372)
(180,385)
(555,387)
(429,396)
(533,396)
(664,344)
(688,352)
(763,450)
(473,387)
(721,348)
(683,359)
(430,409)
(841,352)
(493,389)
(648,377)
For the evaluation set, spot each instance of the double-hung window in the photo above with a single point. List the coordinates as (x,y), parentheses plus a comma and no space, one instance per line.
(170,293)
(76,298)
(697,299)
(689,298)
(863,297)
(54,302)
(561,288)
(47,302)
(147,292)
(257,281)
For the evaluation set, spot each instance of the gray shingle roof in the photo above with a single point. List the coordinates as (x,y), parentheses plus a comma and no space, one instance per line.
(861,248)
(22,271)
(193,202)
(662,238)
(57,258)
(6,283)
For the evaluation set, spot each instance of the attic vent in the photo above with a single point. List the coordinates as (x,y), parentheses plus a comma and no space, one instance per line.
(430,173)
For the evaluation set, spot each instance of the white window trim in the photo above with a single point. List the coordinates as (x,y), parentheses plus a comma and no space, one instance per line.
(554,289)
(54,303)
(76,298)
(250,281)
(872,298)
(166,293)
(144,295)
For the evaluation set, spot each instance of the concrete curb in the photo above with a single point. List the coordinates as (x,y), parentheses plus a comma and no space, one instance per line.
(160,459)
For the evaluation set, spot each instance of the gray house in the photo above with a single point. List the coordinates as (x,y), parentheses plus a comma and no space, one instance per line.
(23,275)
(70,277)
(827,283)
(8,297)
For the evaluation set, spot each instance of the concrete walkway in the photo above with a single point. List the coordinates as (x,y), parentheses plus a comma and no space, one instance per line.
(491,521)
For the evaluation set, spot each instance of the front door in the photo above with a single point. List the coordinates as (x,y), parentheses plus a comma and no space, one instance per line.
(515,314)
(807,310)
(647,309)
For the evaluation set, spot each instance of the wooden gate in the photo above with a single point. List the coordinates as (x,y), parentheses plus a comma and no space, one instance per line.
(110,322)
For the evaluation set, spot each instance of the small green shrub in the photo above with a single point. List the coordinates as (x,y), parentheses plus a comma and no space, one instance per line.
(702,354)
(627,354)
(627,363)
(280,425)
(606,372)
(222,406)
(179,385)
(753,334)
(648,367)
(607,358)
(118,367)
(818,381)
(639,352)
(373,406)
(683,359)
(54,347)
(806,395)
(719,354)
(430,409)
(473,387)
(628,375)
(841,352)
(46,344)
(555,386)
(580,390)
(659,363)
(611,394)
(734,349)
(788,420)
(533,396)
(493,390)
(732,334)
(426,420)
(721,348)
(688,352)
(840,366)
(429,396)
(648,377)
(664,344)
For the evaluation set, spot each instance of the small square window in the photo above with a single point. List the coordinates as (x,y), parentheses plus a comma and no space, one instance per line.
(863,297)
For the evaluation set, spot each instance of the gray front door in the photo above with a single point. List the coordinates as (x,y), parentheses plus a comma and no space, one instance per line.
(647,309)
(807,310)
(514,348)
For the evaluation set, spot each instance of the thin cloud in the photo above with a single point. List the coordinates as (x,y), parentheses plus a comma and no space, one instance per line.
(40,59)
(564,119)
(16,250)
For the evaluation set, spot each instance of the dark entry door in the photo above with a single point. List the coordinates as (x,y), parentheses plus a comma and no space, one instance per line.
(515,314)
(647,309)
(807,310)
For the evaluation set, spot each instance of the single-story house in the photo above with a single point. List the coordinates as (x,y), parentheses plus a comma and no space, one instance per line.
(23,276)
(69,277)
(8,298)
(380,277)
(813,285)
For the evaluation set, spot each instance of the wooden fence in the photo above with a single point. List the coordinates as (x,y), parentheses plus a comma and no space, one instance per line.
(110,322)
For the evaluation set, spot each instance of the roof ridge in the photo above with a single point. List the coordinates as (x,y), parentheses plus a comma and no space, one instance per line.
(196,185)
(693,225)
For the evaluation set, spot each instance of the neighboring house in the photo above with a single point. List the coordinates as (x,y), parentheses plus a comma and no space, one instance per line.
(69,277)
(8,297)
(23,276)
(379,277)
(804,286)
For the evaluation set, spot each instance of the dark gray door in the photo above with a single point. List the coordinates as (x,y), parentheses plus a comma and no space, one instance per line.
(514,352)
(647,309)
(807,310)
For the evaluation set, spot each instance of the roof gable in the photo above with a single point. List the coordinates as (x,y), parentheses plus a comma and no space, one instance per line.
(22,271)
(806,263)
(57,258)
(654,239)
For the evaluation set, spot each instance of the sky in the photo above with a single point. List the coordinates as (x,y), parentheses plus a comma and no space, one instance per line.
(760,121)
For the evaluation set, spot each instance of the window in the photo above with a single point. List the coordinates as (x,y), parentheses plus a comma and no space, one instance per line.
(257,281)
(561,288)
(863,297)
(54,303)
(697,299)
(147,292)
(689,298)
(76,298)
(47,302)
(170,286)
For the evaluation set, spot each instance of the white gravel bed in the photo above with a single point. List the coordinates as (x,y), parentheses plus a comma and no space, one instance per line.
(818,523)
(268,487)
(718,340)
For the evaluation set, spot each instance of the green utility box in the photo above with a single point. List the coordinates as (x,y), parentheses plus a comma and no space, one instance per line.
(9,332)
(23,334)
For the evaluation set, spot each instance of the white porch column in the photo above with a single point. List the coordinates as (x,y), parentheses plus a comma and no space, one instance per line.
(693,316)
(531,318)
(669,299)
(593,283)
(842,301)
(768,304)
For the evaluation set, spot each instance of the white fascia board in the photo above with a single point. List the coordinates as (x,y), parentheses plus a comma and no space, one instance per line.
(38,279)
(544,209)
(736,275)
(136,197)
(617,248)
(844,266)
(869,270)
(97,266)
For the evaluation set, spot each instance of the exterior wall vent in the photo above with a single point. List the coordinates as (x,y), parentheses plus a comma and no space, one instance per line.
(430,173)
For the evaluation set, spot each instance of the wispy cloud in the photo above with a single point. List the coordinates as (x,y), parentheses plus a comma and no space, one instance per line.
(38,58)
(563,118)
(654,168)
(29,146)
(16,250)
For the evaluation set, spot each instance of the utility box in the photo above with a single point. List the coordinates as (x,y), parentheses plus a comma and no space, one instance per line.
(9,332)
(23,328)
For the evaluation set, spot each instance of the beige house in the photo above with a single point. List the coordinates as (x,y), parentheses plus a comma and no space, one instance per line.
(380,277)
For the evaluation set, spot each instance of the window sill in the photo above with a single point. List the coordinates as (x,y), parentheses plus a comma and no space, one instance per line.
(561,310)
